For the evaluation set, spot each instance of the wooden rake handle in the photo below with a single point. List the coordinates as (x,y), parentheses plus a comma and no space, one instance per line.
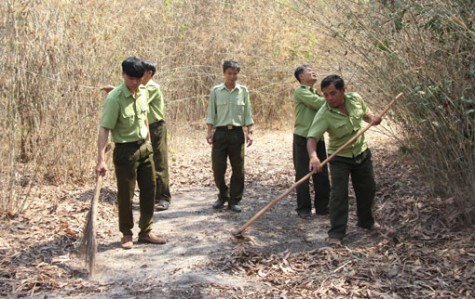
(307,176)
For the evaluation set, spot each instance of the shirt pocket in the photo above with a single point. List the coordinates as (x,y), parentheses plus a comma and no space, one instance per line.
(343,129)
(128,115)
(220,101)
(238,107)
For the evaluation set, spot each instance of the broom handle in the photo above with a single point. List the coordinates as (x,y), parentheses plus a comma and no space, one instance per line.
(307,176)
(99,180)
(97,193)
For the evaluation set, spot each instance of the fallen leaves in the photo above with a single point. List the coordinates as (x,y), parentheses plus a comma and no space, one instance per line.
(420,253)
(37,246)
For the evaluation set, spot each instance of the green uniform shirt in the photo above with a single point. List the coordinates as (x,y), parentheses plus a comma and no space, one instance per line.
(306,105)
(229,107)
(125,115)
(340,127)
(155,102)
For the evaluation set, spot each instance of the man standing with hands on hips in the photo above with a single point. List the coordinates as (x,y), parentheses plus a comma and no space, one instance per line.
(229,111)
(342,118)
(124,115)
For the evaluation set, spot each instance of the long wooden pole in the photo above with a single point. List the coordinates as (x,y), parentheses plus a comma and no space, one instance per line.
(307,176)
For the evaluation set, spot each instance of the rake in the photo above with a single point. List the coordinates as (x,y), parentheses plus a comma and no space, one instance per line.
(259,214)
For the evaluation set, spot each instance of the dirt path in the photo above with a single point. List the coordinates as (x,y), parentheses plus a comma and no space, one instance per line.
(283,256)
(200,236)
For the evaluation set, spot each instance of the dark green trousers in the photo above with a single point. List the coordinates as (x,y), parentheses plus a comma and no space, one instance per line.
(133,163)
(360,169)
(158,135)
(228,143)
(321,182)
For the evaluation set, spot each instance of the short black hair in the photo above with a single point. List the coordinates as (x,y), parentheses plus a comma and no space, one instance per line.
(150,66)
(299,70)
(231,64)
(133,67)
(333,79)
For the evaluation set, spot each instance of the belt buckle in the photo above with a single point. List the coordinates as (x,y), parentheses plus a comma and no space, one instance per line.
(229,127)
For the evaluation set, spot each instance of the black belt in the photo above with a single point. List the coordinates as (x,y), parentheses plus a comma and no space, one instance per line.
(133,143)
(363,155)
(156,124)
(228,128)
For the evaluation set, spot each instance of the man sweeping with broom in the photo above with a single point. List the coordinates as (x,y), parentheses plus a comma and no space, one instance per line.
(124,115)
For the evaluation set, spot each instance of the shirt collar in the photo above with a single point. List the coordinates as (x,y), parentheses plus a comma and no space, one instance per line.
(127,92)
(223,86)
(307,87)
(337,110)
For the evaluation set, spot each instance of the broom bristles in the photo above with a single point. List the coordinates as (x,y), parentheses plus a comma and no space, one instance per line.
(88,246)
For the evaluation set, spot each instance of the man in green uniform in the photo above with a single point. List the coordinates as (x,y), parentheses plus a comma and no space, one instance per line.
(306,105)
(342,118)
(124,115)
(229,111)
(158,134)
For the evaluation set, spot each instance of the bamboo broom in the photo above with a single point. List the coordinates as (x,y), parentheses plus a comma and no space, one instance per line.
(88,246)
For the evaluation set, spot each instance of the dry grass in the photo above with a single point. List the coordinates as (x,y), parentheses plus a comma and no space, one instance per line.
(56,54)
(427,50)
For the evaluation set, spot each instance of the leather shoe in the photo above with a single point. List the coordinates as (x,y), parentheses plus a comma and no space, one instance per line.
(305,216)
(152,239)
(162,205)
(235,208)
(375,227)
(126,242)
(219,204)
(322,212)
(334,242)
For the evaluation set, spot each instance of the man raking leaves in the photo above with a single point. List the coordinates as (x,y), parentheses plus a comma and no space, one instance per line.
(355,136)
(342,118)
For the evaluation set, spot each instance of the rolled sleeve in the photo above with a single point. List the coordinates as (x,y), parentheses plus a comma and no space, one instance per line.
(309,99)
(318,127)
(211,118)
(248,120)
(110,113)
(155,102)
(364,107)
